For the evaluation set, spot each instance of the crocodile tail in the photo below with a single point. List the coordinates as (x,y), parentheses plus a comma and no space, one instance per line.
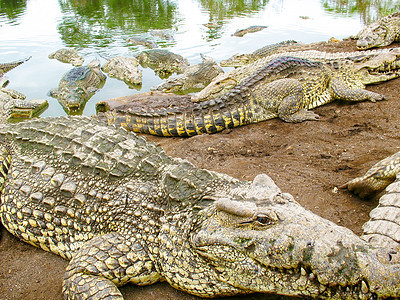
(183,123)
(5,163)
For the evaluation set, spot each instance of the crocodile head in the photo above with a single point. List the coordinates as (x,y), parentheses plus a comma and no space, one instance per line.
(218,86)
(380,33)
(373,36)
(236,60)
(77,86)
(274,245)
(378,68)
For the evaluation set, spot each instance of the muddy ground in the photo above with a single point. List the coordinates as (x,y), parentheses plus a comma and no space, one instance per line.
(307,160)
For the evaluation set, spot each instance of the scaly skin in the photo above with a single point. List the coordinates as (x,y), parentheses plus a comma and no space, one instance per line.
(286,88)
(194,78)
(238,60)
(122,211)
(380,33)
(14,106)
(67,55)
(377,178)
(383,229)
(77,86)
(251,29)
(124,68)
(142,41)
(163,62)
(367,67)
(5,67)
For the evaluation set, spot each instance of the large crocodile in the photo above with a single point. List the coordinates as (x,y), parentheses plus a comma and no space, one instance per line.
(380,33)
(367,67)
(122,211)
(286,87)
(77,86)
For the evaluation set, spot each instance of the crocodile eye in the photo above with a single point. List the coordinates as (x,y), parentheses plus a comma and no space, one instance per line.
(263,220)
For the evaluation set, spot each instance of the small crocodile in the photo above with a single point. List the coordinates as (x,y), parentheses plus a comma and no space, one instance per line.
(238,60)
(67,55)
(163,34)
(8,66)
(77,86)
(122,211)
(367,67)
(380,33)
(162,61)
(124,68)
(142,41)
(193,79)
(286,87)
(377,178)
(251,29)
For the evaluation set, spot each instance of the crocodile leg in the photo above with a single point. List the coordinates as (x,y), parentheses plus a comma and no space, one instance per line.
(286,97)
(342,92)
(104,263)
(377,178)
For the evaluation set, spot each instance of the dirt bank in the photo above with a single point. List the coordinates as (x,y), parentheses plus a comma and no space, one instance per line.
(307,160)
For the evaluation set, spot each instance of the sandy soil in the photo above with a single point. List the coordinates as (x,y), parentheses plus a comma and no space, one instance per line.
(307,160)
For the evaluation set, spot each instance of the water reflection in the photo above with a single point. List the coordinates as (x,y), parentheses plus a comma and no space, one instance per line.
(101,22)
(227,9)
(12,9)
(368,10)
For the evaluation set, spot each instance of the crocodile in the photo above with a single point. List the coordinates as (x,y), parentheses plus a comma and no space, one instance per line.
(163,34)
(67,55)
(369,67)
(286,87)
(251,29)
(122,211)
(77,86)
(14,105)
(380,33)
(162,61)
(377,178)
(8,66)
(238,60)
(142,41)
(193,79)
(124,68)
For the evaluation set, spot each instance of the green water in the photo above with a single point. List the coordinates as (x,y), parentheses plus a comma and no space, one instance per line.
(99,29)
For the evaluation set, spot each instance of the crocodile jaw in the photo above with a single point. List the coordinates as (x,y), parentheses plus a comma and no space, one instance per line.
(380,68)
(294,253)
